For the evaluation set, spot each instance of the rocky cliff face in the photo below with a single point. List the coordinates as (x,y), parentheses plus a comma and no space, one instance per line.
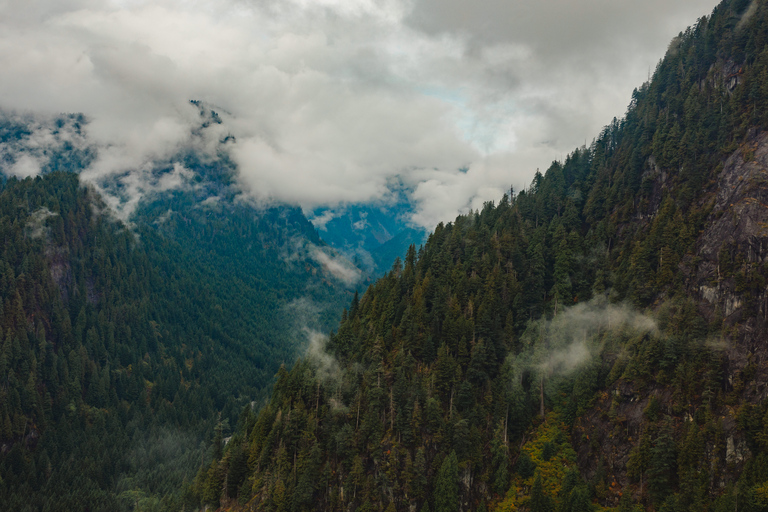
(737,230)
(725,280)
(733,249)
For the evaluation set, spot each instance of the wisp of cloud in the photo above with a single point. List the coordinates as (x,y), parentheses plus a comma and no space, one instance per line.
(558,347)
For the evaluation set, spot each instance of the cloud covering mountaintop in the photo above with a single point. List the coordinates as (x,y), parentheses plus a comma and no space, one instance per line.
(330,100)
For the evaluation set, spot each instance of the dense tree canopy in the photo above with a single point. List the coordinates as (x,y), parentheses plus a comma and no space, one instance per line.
(451,359)
(121,346)
(461,380)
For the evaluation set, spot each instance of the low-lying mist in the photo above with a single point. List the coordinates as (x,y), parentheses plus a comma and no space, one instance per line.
(552,349)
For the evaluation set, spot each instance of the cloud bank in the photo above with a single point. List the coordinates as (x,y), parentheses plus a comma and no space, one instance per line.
(338,266)
(573,338)
(329,100)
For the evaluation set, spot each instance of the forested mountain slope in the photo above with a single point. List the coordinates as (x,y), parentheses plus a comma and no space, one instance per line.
(596,340)
(123,346)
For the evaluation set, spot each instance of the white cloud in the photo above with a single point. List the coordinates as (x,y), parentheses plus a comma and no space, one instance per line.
(326,365)
(36,227)
(25,167)
(320,221)
(331,99)
(338,266)
(133,186)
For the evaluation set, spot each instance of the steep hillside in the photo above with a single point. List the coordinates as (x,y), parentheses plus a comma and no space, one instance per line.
(123,346)
(592,341)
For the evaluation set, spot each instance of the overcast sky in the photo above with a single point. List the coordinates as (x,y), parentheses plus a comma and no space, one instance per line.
(330,100)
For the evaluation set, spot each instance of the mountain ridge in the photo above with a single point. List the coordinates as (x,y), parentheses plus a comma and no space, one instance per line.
(131,339)
(437,393)
(592,342)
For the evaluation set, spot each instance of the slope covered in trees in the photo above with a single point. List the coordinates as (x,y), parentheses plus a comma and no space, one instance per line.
(592,341)
(123,346)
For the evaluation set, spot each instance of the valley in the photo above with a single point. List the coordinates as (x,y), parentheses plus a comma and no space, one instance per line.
(173,340)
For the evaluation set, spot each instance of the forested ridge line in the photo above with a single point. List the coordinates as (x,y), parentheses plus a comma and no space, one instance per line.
(122,345)
(447,385)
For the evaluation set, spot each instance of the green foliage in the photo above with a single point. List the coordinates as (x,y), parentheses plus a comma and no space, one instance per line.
(446,497)
(525,466)
(539,501)
(443,367)
(119,348)
(451,351)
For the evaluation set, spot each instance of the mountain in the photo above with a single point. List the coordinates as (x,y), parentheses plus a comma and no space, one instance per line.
(125,343)
(595,341)
(371,236)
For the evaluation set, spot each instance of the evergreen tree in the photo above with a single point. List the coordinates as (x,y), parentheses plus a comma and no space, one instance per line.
(539,501)
(446,496)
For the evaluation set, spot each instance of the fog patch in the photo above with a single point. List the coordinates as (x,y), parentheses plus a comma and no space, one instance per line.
(574,338)
(165,217)
(748,13)
(362,223)
(566,360)
(124,192)
(338,406)
(337,265)
(303,315)
(36,227)
(568,334)
(25,166)
(326,365)
(303,311)
(320,221)
(32,143)
(299,249)
(147,161)
(716,343)
(211,202)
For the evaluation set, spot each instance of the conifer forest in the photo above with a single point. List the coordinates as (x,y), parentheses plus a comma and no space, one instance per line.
(593,341)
